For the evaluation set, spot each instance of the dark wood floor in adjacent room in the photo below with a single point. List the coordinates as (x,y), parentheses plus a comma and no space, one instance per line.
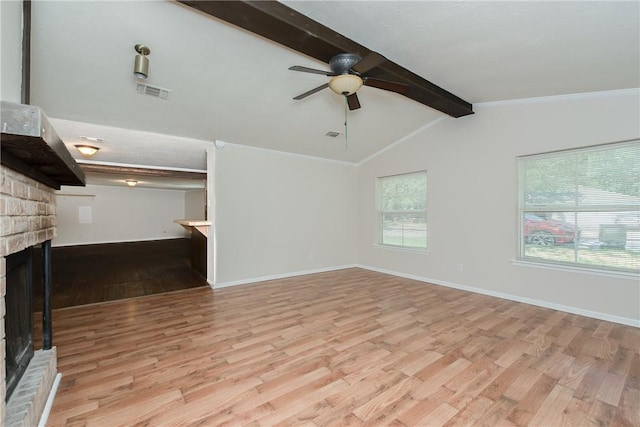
(350,347)
(91,274)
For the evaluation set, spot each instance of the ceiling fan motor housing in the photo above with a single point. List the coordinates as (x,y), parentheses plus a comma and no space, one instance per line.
(343,62)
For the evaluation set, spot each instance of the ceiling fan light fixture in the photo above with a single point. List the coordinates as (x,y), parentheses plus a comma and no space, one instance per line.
(87,150)
(141,64)
(345,84)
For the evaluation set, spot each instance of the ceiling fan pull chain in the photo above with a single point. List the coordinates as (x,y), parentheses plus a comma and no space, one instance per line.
(346,128)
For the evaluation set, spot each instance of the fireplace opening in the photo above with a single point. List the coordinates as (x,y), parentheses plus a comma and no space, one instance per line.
(18,317)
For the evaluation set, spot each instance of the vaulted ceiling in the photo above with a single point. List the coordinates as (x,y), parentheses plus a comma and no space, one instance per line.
(229,84)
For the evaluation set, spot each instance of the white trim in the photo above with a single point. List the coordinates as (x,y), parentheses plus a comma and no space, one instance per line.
(278,276)
(538,99)
(49,404)
(150,239)
(130,165)
(577,269)
(530,301)
(403,139)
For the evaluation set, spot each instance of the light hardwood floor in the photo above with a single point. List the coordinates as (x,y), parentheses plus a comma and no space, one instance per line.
(351,347)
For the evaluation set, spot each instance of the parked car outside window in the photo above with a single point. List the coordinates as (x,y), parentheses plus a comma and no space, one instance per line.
(548,232)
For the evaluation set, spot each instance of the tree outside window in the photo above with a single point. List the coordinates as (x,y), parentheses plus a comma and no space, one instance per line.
(402,212)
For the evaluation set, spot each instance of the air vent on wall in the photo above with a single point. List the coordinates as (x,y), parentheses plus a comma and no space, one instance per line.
(156,91)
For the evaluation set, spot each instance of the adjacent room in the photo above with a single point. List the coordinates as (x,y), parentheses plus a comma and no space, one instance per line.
(409,213)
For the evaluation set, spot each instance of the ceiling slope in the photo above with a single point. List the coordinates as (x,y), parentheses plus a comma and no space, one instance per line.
(286,26)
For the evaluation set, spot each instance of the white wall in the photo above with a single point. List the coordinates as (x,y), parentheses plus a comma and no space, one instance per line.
(11,54)
(118,214)
(279,214)
(194,202)
(472,199)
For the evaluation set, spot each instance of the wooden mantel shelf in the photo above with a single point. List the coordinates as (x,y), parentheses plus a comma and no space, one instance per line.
(31,146)
(201,225)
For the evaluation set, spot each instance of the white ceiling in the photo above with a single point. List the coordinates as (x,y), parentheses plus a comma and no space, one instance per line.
(231,85)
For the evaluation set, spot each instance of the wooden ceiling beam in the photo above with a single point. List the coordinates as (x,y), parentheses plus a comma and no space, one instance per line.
(137,171)
(286,26)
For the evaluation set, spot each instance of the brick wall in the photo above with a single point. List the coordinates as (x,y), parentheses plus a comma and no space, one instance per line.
(27,217)
(27,212)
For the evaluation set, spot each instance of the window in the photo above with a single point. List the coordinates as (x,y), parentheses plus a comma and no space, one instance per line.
(582,207)
(402,214)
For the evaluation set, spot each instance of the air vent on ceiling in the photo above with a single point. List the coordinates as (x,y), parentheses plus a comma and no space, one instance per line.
(156,91)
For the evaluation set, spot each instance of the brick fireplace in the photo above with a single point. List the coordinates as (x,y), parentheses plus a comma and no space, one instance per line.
(27,209)
(34,163)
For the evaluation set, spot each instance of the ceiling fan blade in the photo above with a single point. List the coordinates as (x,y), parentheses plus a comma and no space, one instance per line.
(400,88)
(372,60)
(353,102)
(311,70)
(312,91)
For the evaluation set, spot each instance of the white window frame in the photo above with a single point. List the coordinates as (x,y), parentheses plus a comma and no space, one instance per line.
(549,208)
(380,213)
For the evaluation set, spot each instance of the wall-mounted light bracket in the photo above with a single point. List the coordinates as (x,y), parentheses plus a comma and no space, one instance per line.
(141,64)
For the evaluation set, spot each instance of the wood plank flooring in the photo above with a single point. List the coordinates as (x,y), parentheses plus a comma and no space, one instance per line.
(90,274)
(351,347)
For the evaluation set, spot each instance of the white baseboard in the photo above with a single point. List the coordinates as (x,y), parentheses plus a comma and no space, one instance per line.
(531,301)
(47,407)
(278,276)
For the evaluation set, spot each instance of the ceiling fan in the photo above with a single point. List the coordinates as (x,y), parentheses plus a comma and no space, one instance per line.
(347,76)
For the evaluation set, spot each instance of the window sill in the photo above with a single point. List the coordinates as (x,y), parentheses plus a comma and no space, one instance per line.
(401,248)
(576,269)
